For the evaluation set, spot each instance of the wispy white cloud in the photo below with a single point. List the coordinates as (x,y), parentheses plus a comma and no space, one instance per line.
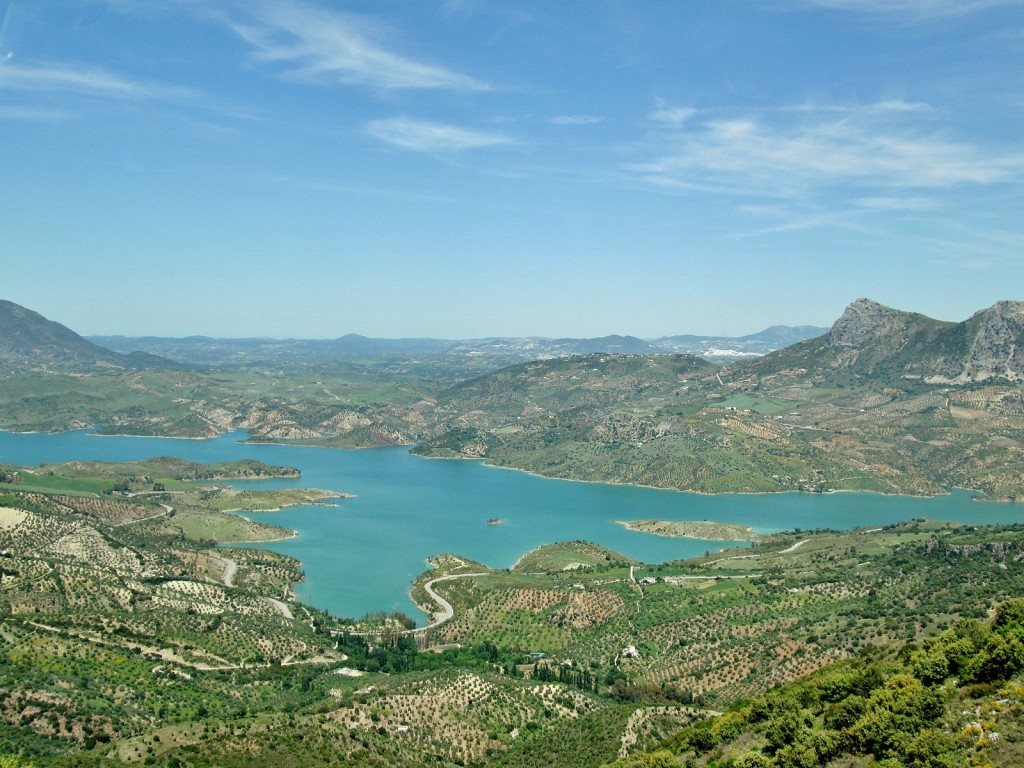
(878,108)
(428,136)
(787,218)
(910,9)
(977,248)
(327,46)
(897,203)
(576,119)
(72,78)
(33,114)
(670,115)
(868,152)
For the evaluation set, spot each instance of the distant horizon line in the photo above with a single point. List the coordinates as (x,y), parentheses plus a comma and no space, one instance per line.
(503,337)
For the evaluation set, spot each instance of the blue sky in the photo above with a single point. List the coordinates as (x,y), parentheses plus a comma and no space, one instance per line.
(470,168)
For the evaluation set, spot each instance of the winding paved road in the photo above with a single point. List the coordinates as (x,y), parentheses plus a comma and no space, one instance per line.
(793,548)
(446,608)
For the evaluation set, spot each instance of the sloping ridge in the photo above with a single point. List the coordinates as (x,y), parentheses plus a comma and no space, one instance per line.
(28,341)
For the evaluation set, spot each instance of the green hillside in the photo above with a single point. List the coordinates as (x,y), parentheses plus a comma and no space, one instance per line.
(128,638)
(954,699)
(887,401)
(32,345)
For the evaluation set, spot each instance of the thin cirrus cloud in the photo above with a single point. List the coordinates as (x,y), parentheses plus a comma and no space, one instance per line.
(326,46)
(669,115)
(910,9)
(795,152)
(31,114)
(576,119)
(878,108)
(68,78)
(915,203)
(428,136)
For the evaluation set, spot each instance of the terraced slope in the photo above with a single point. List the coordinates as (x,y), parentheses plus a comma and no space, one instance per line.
(731,625)
(127,639)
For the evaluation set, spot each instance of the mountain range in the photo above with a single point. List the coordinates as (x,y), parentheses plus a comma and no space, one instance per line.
(868,339)
(31,343)
(872,340)
(468,353)
(885,400)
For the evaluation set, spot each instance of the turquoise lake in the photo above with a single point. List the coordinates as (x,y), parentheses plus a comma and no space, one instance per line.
(362,554)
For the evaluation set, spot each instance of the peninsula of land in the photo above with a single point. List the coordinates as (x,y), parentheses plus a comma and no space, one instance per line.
(693,529)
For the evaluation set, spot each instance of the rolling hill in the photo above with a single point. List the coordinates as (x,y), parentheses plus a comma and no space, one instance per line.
(29,343)
(446,359)
(887,400)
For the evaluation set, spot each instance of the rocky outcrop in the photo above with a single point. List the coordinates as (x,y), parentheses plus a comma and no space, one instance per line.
(870,337)
(997,348)
(864,319)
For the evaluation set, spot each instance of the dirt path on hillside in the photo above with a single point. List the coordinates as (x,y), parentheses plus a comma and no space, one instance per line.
(793,548)
(230,569)
(168,509)
(281,607)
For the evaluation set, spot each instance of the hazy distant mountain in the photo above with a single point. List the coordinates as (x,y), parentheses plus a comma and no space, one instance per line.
(724,348)
(877,341)
(212,352)
(31,343)
(868,340)
(488,353)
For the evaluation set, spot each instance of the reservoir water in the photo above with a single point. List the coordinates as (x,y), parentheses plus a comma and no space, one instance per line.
(362,554)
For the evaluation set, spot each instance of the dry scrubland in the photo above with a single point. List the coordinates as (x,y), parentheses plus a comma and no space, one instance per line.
(694,529)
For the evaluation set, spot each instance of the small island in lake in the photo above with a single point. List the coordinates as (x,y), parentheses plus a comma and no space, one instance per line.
(495,520)
(693,529)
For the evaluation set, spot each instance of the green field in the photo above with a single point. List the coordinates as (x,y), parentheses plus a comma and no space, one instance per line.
(763,405)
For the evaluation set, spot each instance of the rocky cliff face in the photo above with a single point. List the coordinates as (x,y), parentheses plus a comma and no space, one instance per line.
(995,344)
(987,346)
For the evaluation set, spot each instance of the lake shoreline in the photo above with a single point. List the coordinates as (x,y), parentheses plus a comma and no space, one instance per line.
(363,558)
(484,461)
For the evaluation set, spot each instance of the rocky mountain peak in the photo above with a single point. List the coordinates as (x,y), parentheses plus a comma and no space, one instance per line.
(1008,311)
(863,319)
(997,346)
